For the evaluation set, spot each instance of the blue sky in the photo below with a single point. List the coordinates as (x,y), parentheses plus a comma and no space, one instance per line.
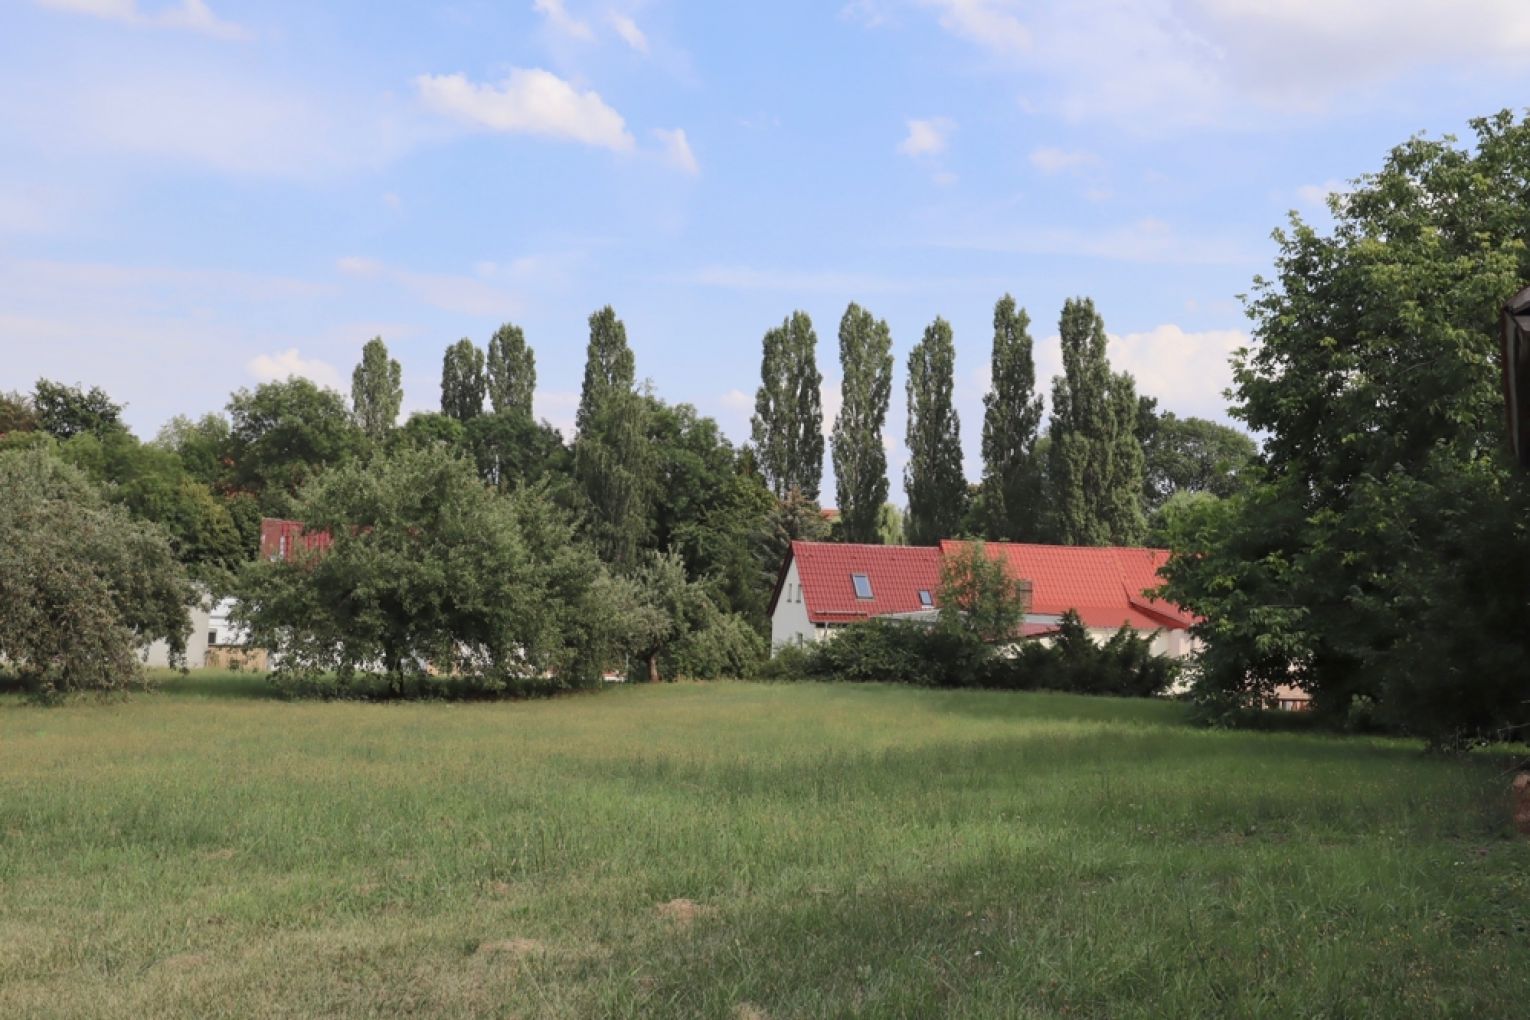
(198,195)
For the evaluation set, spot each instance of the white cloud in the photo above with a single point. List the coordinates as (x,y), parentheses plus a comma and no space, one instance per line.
(561,21)
(628,29)
(1169,64)
(832,399)
(1146,240)
(1187,372)
(191,15)
(1052,160)
(557,408)
(529,101)
(737,400)
(286,364)
(991,24)
(927,137)
(677,150)
(870,13)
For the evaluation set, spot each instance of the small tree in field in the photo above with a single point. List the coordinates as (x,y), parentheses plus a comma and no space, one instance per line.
(979,597)
(83,584)
(432,583)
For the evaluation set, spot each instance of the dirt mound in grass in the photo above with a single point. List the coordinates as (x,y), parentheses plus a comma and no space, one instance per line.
(682,911)
(511,947)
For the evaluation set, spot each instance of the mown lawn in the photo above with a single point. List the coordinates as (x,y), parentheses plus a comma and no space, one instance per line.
(837,851)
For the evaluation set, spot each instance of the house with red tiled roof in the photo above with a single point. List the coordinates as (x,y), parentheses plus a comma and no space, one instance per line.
(1106,586)
(825,585)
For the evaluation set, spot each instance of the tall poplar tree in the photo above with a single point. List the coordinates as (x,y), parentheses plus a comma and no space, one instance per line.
(377,389)
(860,460)
(787,427)
(512,371)
(1095,458)
(937,491)
(609,367)
(462,381)
(1011,494)
(613,460)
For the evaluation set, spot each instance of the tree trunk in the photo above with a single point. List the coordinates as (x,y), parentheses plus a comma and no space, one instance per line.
(653,666)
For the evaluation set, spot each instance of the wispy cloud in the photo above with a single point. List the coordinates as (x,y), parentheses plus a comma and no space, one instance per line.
(1147,240)
(561,21)
(190,15)
(677,150)
(927,137)
(630,33)
(1052,160)
(286,364)
(528,101)
(991,24)
(462,294)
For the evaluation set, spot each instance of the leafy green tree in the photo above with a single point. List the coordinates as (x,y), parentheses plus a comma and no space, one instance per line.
(892,528)
(66,411)
(203,447)
(1094,465)
(462,381)
(933,479)
(83,585)
(1188,455)
(283,433)
(17,414)
(978,597)
(1012,493)
(433,584)
(610,371)
(153,485)
(512,371)
(1383,548)
(860,460)
(377,389)
(428,430)
(787,427)
(613,461)
(512,451)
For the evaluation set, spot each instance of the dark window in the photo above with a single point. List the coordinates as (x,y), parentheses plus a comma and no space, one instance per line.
(862,585)
(924,598)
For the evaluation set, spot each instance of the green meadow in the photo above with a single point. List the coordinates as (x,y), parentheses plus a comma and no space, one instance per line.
(741,851)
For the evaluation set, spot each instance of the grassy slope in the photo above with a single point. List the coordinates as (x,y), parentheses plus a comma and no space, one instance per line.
(854,851)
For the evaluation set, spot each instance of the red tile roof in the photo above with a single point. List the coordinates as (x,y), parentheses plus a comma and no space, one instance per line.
(1104,585)
(897,574)
(280,539)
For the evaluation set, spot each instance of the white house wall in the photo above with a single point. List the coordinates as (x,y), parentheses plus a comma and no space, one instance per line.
(157,654)
(789,624)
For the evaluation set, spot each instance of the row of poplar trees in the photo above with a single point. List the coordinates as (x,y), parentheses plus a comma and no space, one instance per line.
(1079,483)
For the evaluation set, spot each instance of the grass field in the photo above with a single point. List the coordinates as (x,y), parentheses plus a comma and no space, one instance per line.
(741,851)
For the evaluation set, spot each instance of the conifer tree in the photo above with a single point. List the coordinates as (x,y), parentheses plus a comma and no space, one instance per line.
(937,491)
(860,460)
(462,382)
(1011,490)
(512,372)
(787,427)
(1095,457)
(377,389)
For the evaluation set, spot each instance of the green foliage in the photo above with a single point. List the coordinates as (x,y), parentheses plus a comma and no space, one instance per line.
(1188,455)
(67,411)
(428,430)
(433,585)
(282,434)
(1095,465)
(203,447)
(377,390)
(933,479)
(680,630)
(1124,666)
(1012,496)
(787,427)
(83,585)
(1383,551)
(512,372)
(17,414)
(462,381)
(610,371)
(511,450)
(978,597)
(860,459)
(152,483)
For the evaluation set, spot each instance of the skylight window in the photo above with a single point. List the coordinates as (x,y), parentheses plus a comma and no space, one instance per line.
(924,599)
(862,585)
